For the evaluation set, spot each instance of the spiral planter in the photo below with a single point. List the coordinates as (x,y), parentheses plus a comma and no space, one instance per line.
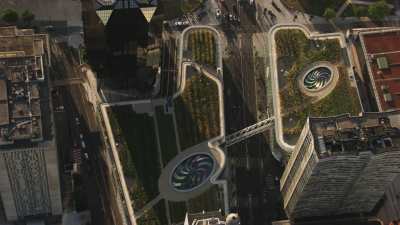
(317,78)
(192,172)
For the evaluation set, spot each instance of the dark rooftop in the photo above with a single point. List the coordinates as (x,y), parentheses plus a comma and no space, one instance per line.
(21,76)
(345,134)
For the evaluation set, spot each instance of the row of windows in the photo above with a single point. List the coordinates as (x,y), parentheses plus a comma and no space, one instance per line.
(297,162)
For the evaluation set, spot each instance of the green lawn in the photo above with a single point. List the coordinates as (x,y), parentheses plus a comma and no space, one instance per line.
(165,122)
(211,200)
(138,152)
(295,52)
(202,44)
(156,216)
(177,211)
(197,111)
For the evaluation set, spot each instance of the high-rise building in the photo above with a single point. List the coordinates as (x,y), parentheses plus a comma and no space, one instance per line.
(29,177)
(344,165)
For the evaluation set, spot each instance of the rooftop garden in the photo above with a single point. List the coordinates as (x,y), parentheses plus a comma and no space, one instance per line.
(328,8)
(294,52)
(177,211)
(166,129)
(210,200)
(197,110)
(155,216)
(137,146)
(202,45)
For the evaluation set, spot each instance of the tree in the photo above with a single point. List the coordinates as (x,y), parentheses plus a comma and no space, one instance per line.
(378,10)
(10,16)
(27,16)
(360,11)
(329,13)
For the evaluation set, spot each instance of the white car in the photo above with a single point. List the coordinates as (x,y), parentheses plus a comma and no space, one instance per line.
(83,145)
(178,23)
(218,13)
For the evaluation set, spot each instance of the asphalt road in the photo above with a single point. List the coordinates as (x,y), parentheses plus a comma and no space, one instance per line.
(254,171)
(71,131)
(77,128)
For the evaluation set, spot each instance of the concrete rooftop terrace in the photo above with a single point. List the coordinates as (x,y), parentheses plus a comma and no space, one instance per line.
(382,52)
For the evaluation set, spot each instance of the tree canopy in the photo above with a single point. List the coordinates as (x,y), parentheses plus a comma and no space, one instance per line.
(379,10)
(27,16)
(329,13)
(10,16)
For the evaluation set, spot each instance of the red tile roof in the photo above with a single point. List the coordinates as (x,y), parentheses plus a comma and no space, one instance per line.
(385,45)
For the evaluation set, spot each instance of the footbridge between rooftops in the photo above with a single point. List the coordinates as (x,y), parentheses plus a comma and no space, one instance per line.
(247,132)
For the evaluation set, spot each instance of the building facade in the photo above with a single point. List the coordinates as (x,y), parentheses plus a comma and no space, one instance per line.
(342,165)
(29,172)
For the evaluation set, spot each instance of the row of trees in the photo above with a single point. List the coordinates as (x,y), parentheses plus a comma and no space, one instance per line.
(12,16)
(376,11)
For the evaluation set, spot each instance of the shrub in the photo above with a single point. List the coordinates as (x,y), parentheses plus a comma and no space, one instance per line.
(329,13)
(10,16)
(27,16)
(378,10)
(360,11)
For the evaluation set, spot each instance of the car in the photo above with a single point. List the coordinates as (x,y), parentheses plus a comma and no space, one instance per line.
(178,23)
(49,28)
(60,108)
(218,13)
(83,144)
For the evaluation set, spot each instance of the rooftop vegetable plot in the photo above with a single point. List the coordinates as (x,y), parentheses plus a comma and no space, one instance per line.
(138,152)
(294,53)
(202,45)
(197,111)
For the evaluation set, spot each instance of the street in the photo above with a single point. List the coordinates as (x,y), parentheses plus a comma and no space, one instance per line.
(74,134)
(253,187)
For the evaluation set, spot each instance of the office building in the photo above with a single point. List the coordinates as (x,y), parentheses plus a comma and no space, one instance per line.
(344,166)
(29,178)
